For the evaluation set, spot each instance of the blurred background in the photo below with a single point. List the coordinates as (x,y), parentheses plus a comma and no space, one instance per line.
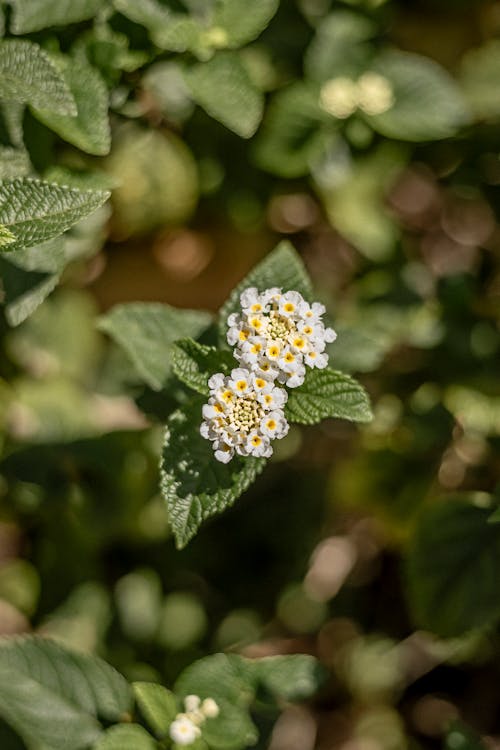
(336,550)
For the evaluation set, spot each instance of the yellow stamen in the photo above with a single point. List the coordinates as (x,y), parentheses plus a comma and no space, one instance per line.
(241,385)
(288,307)
(244,335)
(271,424)
(260,382)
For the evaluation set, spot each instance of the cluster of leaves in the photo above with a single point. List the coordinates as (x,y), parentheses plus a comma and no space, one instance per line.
(74,696)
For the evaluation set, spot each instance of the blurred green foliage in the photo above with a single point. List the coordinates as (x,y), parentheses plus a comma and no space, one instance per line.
(219,132)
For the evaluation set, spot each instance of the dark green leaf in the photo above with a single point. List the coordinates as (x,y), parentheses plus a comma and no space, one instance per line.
(194,363)
(195,485)
(89,129)
(55,696)
(146,332)
(283,267)
(27,74)
(453,565)
(328,393)
(35,211)
(292,678)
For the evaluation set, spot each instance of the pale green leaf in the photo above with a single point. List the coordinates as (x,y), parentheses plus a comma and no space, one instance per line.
(55,696)
(158,706)
(146,332)
(148,13)
(328,393)
(452,567)
(11,121)
(428,104)
(35,211)
(341,46)
(223,88)
(194,363)
(243,21)
(125,737)
(29,276)
(28,75)
(14,162)
(33,15)
(194,484)
(295,133)
(181,34)
(293,678)
(283,267)
(89,129)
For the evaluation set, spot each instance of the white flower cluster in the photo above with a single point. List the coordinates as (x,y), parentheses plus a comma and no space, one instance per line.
(243,414)
(276,335)
(372,93)
(185,728)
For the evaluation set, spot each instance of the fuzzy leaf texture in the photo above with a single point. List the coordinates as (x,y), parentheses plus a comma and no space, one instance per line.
(55,696)
(28,75)
(283,267)
(194,363)
(146,332)
(452,566)
(243,21)
(33,15)
(36,211)
(328,393)
(195,485)
(89,129)
(223,88)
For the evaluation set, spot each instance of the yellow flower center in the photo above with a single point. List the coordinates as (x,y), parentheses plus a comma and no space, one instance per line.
(260,382)
(271,424)
(289,357)
(299,343)
(241,385)
(256,441)
(288,307)
(257,307)
(244,335)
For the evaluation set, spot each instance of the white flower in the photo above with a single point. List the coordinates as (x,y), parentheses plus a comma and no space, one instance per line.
(277,334)
(192,702)
(375,94)
(236,410)
(210,708)
(183,731)
(339,96)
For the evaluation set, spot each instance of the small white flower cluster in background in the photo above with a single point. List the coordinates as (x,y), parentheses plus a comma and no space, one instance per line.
(371,93)
(185,728)
(274,337)
(244,413)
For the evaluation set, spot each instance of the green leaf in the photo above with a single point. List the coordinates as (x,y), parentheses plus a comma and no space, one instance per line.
(283,267)
(428,103)
(223,88)
(291,678)
(89,129)
(146,332)
(29,276)
(28,75)
(194,484)
(11,121)
(328,393)
(340,46)
(229,680)
(35,211)
(55,696)
(243,22)
(295,133)
(14,162)
(452,566)
(148,13)
(194,363)
(33,15)
(158,705)
(125,737)
(460,737)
